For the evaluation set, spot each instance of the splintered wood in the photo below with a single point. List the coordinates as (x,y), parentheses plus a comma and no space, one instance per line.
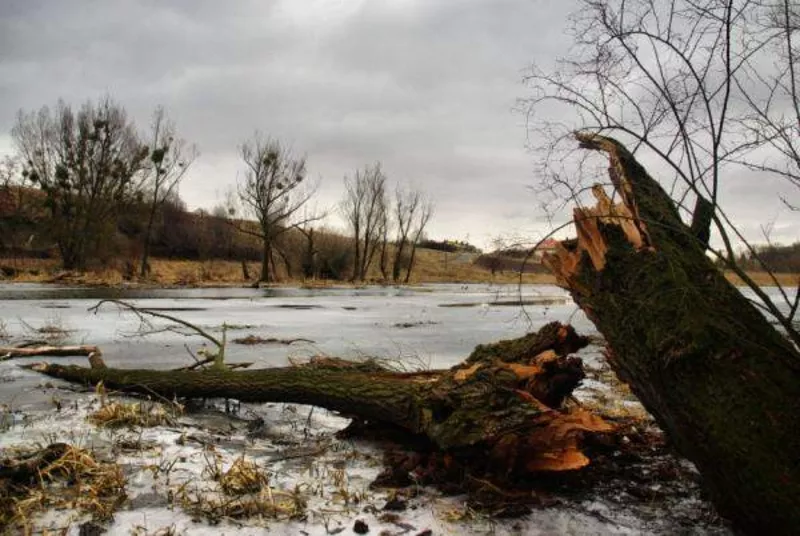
(589,221)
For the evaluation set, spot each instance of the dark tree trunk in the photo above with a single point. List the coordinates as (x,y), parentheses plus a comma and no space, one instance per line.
(145,267)
(398,258)
(720,380)
(266,260)
(310,258)
(384,264)
(356,256)
(411,262)
(505,398)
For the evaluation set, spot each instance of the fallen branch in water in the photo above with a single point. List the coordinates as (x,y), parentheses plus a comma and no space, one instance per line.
(47,351)
(217,358)
(255,339)
(501,408)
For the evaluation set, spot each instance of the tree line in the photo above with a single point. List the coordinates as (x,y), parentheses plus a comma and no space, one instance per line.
(89,184)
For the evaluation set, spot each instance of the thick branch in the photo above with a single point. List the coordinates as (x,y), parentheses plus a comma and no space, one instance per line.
(708,365)
(506,396)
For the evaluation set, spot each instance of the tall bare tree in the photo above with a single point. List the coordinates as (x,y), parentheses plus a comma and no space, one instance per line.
(169,160)
(697,90)
(423,217)
(406,205)
(86,163)
(273,191)
(705,88)
(364,207)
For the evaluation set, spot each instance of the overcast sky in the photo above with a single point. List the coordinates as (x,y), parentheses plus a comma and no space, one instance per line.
(427,87)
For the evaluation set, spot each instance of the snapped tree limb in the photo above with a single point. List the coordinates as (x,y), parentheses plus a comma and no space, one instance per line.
(505,399)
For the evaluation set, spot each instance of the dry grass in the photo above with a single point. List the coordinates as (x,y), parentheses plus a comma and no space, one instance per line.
(243,477)
(764,279)
(75,480)
(439,266)
(198,273)
(432,266)
(242,492)
(54,330)
(141,414)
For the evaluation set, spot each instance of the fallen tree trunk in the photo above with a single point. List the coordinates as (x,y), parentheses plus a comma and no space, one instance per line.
(719,379)
(47,351)
(506,398)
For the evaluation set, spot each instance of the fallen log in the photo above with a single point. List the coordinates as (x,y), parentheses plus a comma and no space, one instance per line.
(719,379)
(47,351)
(506,399)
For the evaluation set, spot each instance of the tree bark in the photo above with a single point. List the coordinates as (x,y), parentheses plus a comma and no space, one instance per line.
(719,379)
(505,399)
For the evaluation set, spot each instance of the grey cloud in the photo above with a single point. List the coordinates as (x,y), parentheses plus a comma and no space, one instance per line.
(426,87)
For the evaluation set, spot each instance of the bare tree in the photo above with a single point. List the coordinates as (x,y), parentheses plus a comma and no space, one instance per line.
(273,191)
(703,87)
(406,205)
(425,213)
(696,90)
(364,208)
(86,163)
(170,159)
(772,94)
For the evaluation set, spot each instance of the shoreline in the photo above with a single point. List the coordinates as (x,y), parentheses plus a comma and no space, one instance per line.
(218,273)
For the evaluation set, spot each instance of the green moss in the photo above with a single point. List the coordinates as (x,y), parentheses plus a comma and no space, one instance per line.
(523,349)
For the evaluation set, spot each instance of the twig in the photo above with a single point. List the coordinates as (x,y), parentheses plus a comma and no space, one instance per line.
(142,311)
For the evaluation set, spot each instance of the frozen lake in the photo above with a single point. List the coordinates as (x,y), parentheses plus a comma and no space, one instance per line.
(432,325)
(427,326)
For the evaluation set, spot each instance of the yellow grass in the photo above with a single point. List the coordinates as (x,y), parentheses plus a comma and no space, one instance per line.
(118,414)
(199,273)
(76,479)
(431,266)
(764,279)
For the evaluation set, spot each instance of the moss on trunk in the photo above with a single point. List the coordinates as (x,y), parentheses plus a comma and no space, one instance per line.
(722,381)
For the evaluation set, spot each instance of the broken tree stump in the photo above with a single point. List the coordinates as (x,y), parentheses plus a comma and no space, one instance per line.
(719,379)
(505,399)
